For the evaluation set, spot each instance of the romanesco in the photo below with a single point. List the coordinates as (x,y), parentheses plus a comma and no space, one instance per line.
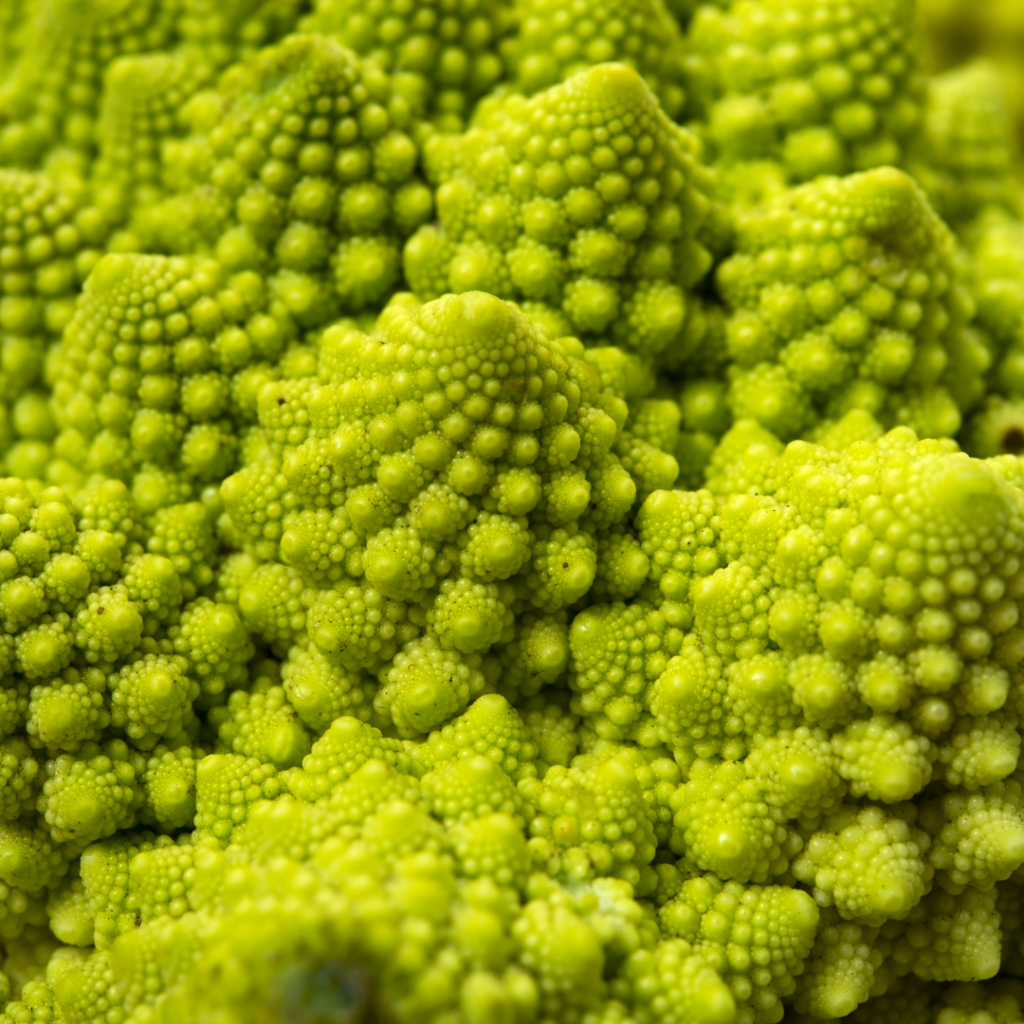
(511,512)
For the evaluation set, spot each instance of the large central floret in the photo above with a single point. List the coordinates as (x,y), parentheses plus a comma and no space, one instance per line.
(443,478)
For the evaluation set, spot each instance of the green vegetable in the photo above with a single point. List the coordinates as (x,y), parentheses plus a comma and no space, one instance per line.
(511,512)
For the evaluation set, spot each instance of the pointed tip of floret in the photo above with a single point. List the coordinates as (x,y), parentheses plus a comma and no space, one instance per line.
(995,764)
(971,481)
(985,963)
(613,88)
(1006,846)
(481,311)
(588,632)
(800,911)
(728,845)
(894,897)
(963,490)
(111,271)
(889,197)
(474,316)
(802,772)
(896,781)
(838,1000)
(489,704)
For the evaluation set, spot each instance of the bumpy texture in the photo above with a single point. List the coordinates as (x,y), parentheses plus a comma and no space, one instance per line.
(446,475)
(300,166)
(557,39)
(847,644)
(844,294)
(444,56)
(965,154)
(51,96)
(996,243)
(584,197)
(483,537)
(789,91)
(51,242)
(54,85)
(193,343)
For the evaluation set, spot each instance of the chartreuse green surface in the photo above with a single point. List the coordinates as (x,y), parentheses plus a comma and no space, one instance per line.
(511,513)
